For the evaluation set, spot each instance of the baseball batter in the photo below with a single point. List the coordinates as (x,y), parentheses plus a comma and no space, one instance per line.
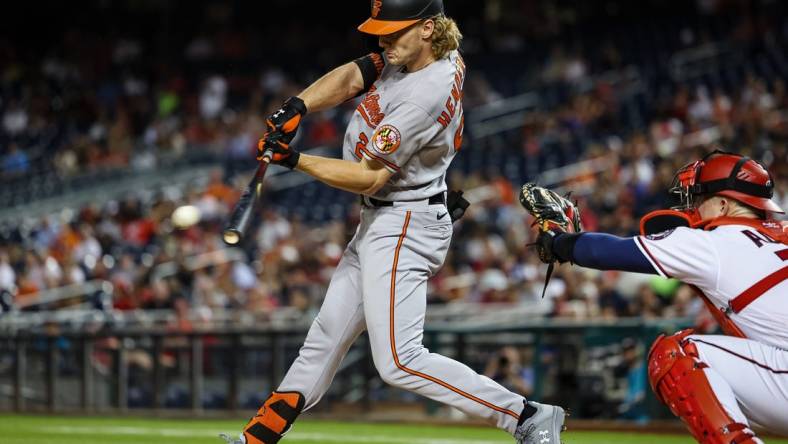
(723,245)
(397,148)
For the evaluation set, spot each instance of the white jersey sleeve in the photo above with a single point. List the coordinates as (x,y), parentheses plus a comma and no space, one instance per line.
(404,130)
(683,253)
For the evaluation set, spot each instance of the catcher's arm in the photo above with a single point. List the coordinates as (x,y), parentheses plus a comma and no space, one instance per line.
(602,252)
(560,238)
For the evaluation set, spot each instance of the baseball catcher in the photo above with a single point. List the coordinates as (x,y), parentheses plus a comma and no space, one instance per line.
(722,242)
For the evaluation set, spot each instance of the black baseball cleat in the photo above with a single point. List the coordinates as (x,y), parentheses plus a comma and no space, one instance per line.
(544,427)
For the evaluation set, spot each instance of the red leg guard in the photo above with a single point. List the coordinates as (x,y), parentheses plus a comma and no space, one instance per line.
(676,376)
(274,418)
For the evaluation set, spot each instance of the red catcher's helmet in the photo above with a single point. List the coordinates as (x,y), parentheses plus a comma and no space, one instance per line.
(726,174)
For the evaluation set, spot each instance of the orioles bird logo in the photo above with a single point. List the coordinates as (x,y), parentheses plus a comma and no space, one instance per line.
(376,4)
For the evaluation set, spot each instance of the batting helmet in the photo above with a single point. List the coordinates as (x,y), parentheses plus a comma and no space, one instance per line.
(726,174)
(389,16)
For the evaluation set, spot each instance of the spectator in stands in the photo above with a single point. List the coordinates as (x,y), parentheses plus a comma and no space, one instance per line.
(323,131)
(508,368)
(7,273)
(16,163)
(611,303)
(633,370)
(15,118)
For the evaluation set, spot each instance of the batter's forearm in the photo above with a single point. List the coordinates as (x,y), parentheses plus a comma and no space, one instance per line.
(335,87)
(342,174)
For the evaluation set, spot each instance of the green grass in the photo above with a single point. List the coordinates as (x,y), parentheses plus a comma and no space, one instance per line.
(47,429)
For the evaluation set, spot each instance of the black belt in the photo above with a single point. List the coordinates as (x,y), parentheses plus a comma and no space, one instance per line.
(433,200)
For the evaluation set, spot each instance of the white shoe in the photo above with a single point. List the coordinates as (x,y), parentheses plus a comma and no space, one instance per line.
(544,427)
(229,440)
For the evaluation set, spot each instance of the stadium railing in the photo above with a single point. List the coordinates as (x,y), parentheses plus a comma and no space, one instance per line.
(157,361)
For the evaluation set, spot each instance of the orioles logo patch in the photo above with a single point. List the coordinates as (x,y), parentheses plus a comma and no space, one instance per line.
(386,139)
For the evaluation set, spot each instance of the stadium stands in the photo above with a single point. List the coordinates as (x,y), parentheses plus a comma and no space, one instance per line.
(609,109)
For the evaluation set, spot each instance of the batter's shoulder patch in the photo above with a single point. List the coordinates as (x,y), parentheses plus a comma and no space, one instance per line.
(660,235)
(386,139)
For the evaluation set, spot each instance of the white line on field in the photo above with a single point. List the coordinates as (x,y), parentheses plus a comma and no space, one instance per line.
(321,437)
(303,436)
(123,430)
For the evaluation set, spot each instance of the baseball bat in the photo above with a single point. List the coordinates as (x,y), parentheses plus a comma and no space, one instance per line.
(240,219)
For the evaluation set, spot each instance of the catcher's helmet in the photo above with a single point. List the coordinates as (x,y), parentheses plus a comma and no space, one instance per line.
(726,174)
(389,16)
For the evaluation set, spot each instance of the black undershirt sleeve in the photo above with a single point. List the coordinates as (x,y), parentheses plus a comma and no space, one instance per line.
(371,66)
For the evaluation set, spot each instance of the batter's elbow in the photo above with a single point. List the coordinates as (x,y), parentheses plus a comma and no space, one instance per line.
(373,188)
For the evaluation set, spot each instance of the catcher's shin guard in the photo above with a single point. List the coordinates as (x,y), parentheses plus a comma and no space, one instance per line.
(676,376)
(274,418)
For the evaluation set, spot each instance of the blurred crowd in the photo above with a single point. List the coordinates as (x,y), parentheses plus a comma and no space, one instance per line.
(105,95)
(92,103)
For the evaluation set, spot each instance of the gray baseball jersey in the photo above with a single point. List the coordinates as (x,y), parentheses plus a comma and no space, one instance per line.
(412,124)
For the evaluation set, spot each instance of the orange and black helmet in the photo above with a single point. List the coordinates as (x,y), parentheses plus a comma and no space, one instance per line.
(726,174)
(389,16)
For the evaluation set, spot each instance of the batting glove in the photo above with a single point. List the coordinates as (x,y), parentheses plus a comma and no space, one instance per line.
(281,129)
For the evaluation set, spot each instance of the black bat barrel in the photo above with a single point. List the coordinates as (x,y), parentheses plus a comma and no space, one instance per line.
(244,211)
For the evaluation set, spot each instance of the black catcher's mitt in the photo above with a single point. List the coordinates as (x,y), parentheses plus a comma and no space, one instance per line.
(553,214)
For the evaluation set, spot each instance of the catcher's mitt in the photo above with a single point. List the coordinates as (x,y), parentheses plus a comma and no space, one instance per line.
(553,214)
(551,211)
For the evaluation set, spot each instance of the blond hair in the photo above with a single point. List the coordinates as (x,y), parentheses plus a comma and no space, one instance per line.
(446,36)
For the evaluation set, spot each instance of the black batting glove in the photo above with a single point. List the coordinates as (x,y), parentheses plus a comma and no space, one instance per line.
(281,129)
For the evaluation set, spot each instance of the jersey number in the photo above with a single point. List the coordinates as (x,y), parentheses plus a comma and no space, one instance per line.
(458,134)
(361,144)
(782,254)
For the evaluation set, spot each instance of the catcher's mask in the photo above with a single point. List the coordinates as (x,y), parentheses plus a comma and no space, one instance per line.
(726,174)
